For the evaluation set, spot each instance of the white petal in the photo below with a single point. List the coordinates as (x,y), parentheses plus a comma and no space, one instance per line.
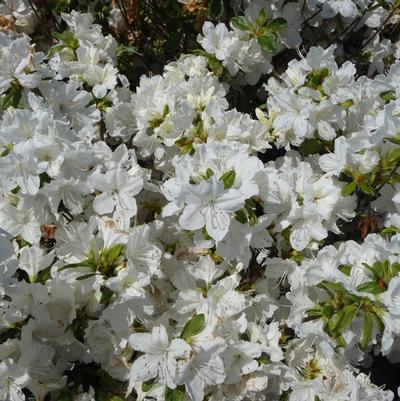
(217,222)
(141,342)
(179,348)
(145,368)
(103,204)
(191,219)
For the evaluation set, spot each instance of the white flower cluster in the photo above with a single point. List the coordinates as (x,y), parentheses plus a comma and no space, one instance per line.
(153,240)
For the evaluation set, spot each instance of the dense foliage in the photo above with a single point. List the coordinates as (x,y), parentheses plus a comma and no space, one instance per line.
(199,199)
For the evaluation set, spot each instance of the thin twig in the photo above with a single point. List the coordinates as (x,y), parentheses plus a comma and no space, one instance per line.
(39,19)
(381,27)
(311,17)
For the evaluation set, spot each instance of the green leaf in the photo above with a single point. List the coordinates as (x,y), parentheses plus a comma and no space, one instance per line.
(315,78)
(388,95)
(347,103)
(394,156)
(262,17)
(85,276)
(378,269)
(209,173)
(123,50)
(277,25)
(178,394)
(395,140)
(241,23)
(12,97)
(392,230)
(194,326)
(216,7)
(345,269)
(367,330)
(106,295)
(310,146)
(147,386)
(69,39)
(264,359)
(57,48)
(349,189)
(228,178)
(240,216)
(268,43)
(114,252)
(84,263)
(370,286)
(368,190)
(333,287)
(315,312)
(343,318)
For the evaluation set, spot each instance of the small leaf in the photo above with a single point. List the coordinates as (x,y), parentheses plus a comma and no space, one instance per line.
(262,17)
(349,189)
(394,156)
(315,78)
(347,103)
(241,23)
(123,50)
(147,386)
(84,263)
(228,178)
(57,48)
(69,39)
(177,394)
(268,43)
(345,269)
(395,140)
(240,216)
(370,286)
(85,276)
(388,95)
(343,318)
(277,25)
(193,326)
(216,7)
(209,173)
(392,230)
(264,359)
(310,146)
(113,252)
(368,190)
(315,312)
(333,287)
(366,330)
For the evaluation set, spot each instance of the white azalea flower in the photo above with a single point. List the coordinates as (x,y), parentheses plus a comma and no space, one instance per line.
(160,356)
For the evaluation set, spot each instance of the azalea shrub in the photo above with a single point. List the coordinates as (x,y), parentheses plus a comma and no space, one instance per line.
(200,199)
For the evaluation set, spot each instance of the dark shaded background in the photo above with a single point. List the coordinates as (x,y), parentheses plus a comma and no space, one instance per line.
(386,374)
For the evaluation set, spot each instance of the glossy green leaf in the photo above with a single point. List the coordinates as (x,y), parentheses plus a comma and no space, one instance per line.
(370,286)
(388,95)
(368,190)
(262,17)
(216,7)
(277,25)
(367,330)
(343,318)
(241,23)
(228,178)
(194,326)
(177,394)
(349,189)
(268,43)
